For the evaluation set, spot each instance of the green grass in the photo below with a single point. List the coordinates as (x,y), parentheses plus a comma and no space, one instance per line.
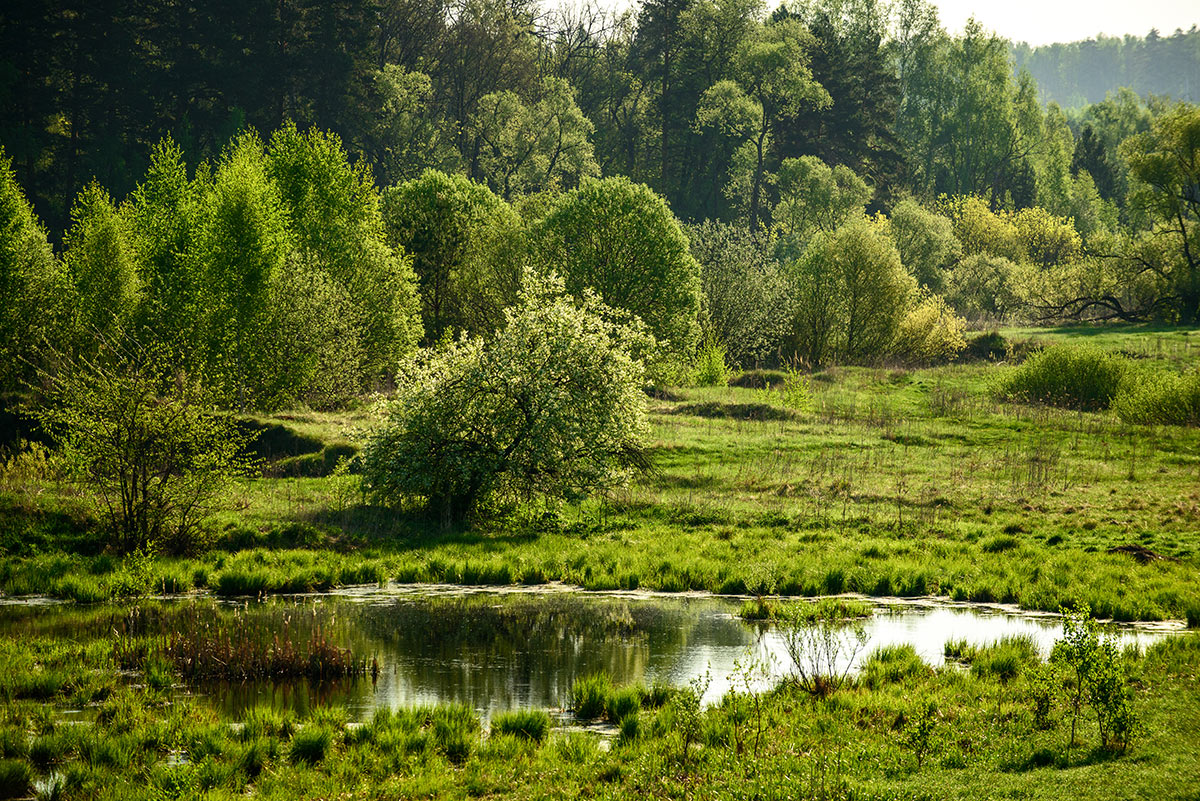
(528,724)
(985,741)
(896,482)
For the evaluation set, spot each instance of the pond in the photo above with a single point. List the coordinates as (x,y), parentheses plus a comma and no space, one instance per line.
(501,649)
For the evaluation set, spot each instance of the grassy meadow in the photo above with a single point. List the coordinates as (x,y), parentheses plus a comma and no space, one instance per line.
(879,481)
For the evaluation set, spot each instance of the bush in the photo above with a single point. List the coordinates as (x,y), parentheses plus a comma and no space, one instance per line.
(1071,376)
(529,724)
(1160,398)
(710,369)
(931,331)
(149,449)
(551,407)
(990,346)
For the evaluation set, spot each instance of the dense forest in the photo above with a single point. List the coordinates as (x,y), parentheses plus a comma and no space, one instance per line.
(701,100)
(288,199)
(1078,73)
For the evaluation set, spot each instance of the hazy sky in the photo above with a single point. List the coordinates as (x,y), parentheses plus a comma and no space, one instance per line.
(1045,21)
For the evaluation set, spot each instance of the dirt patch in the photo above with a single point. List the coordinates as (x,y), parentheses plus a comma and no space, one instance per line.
(734,411)
(1140,553)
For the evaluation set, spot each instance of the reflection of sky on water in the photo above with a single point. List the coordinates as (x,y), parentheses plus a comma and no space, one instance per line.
(674,640)
(508,649)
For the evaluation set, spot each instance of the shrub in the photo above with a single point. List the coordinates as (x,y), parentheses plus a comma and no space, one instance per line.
(529,724)
(797,391)
(1160,398)
(551,407)
(759,379)
(709,368)
(989,346)
(931,331)
(148,449)
(1072,376)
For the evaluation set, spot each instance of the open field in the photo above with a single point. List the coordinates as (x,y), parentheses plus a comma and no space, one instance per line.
(891,482)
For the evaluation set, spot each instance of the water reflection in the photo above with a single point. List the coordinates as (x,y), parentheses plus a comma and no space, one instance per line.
(501,650)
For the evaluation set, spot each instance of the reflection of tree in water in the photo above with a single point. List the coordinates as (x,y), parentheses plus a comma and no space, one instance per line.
(490,651)
(498,651)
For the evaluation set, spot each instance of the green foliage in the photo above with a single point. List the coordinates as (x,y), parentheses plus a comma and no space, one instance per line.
(925,241)
(745,289)
(852,295)
(620,239)
(816,198)
(1164,167)
(1095,677)
(919,737)
(467,247)
(33,290)
(1075,377)
(350,274)
(985,287)
(528,724)
(148,450)
(1157,397)
(551,407)
(165,212)
(531,148)
(931,331)
(797,391)
(99,258)
(709,368)
(242,248)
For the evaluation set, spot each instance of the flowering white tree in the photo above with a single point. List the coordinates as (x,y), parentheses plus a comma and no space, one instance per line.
(551,407)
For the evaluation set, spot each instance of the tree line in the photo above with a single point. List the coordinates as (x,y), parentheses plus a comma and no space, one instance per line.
(855,182)
(702,100)
(1076,74)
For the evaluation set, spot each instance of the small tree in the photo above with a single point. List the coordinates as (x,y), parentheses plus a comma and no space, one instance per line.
(822,647)
(1095,676)
(149,450)
(550,407)
(852,294)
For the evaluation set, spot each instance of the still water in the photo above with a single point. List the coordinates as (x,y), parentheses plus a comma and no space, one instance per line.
(502,649)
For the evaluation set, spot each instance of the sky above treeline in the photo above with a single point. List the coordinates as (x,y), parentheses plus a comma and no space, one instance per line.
(1040,22)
